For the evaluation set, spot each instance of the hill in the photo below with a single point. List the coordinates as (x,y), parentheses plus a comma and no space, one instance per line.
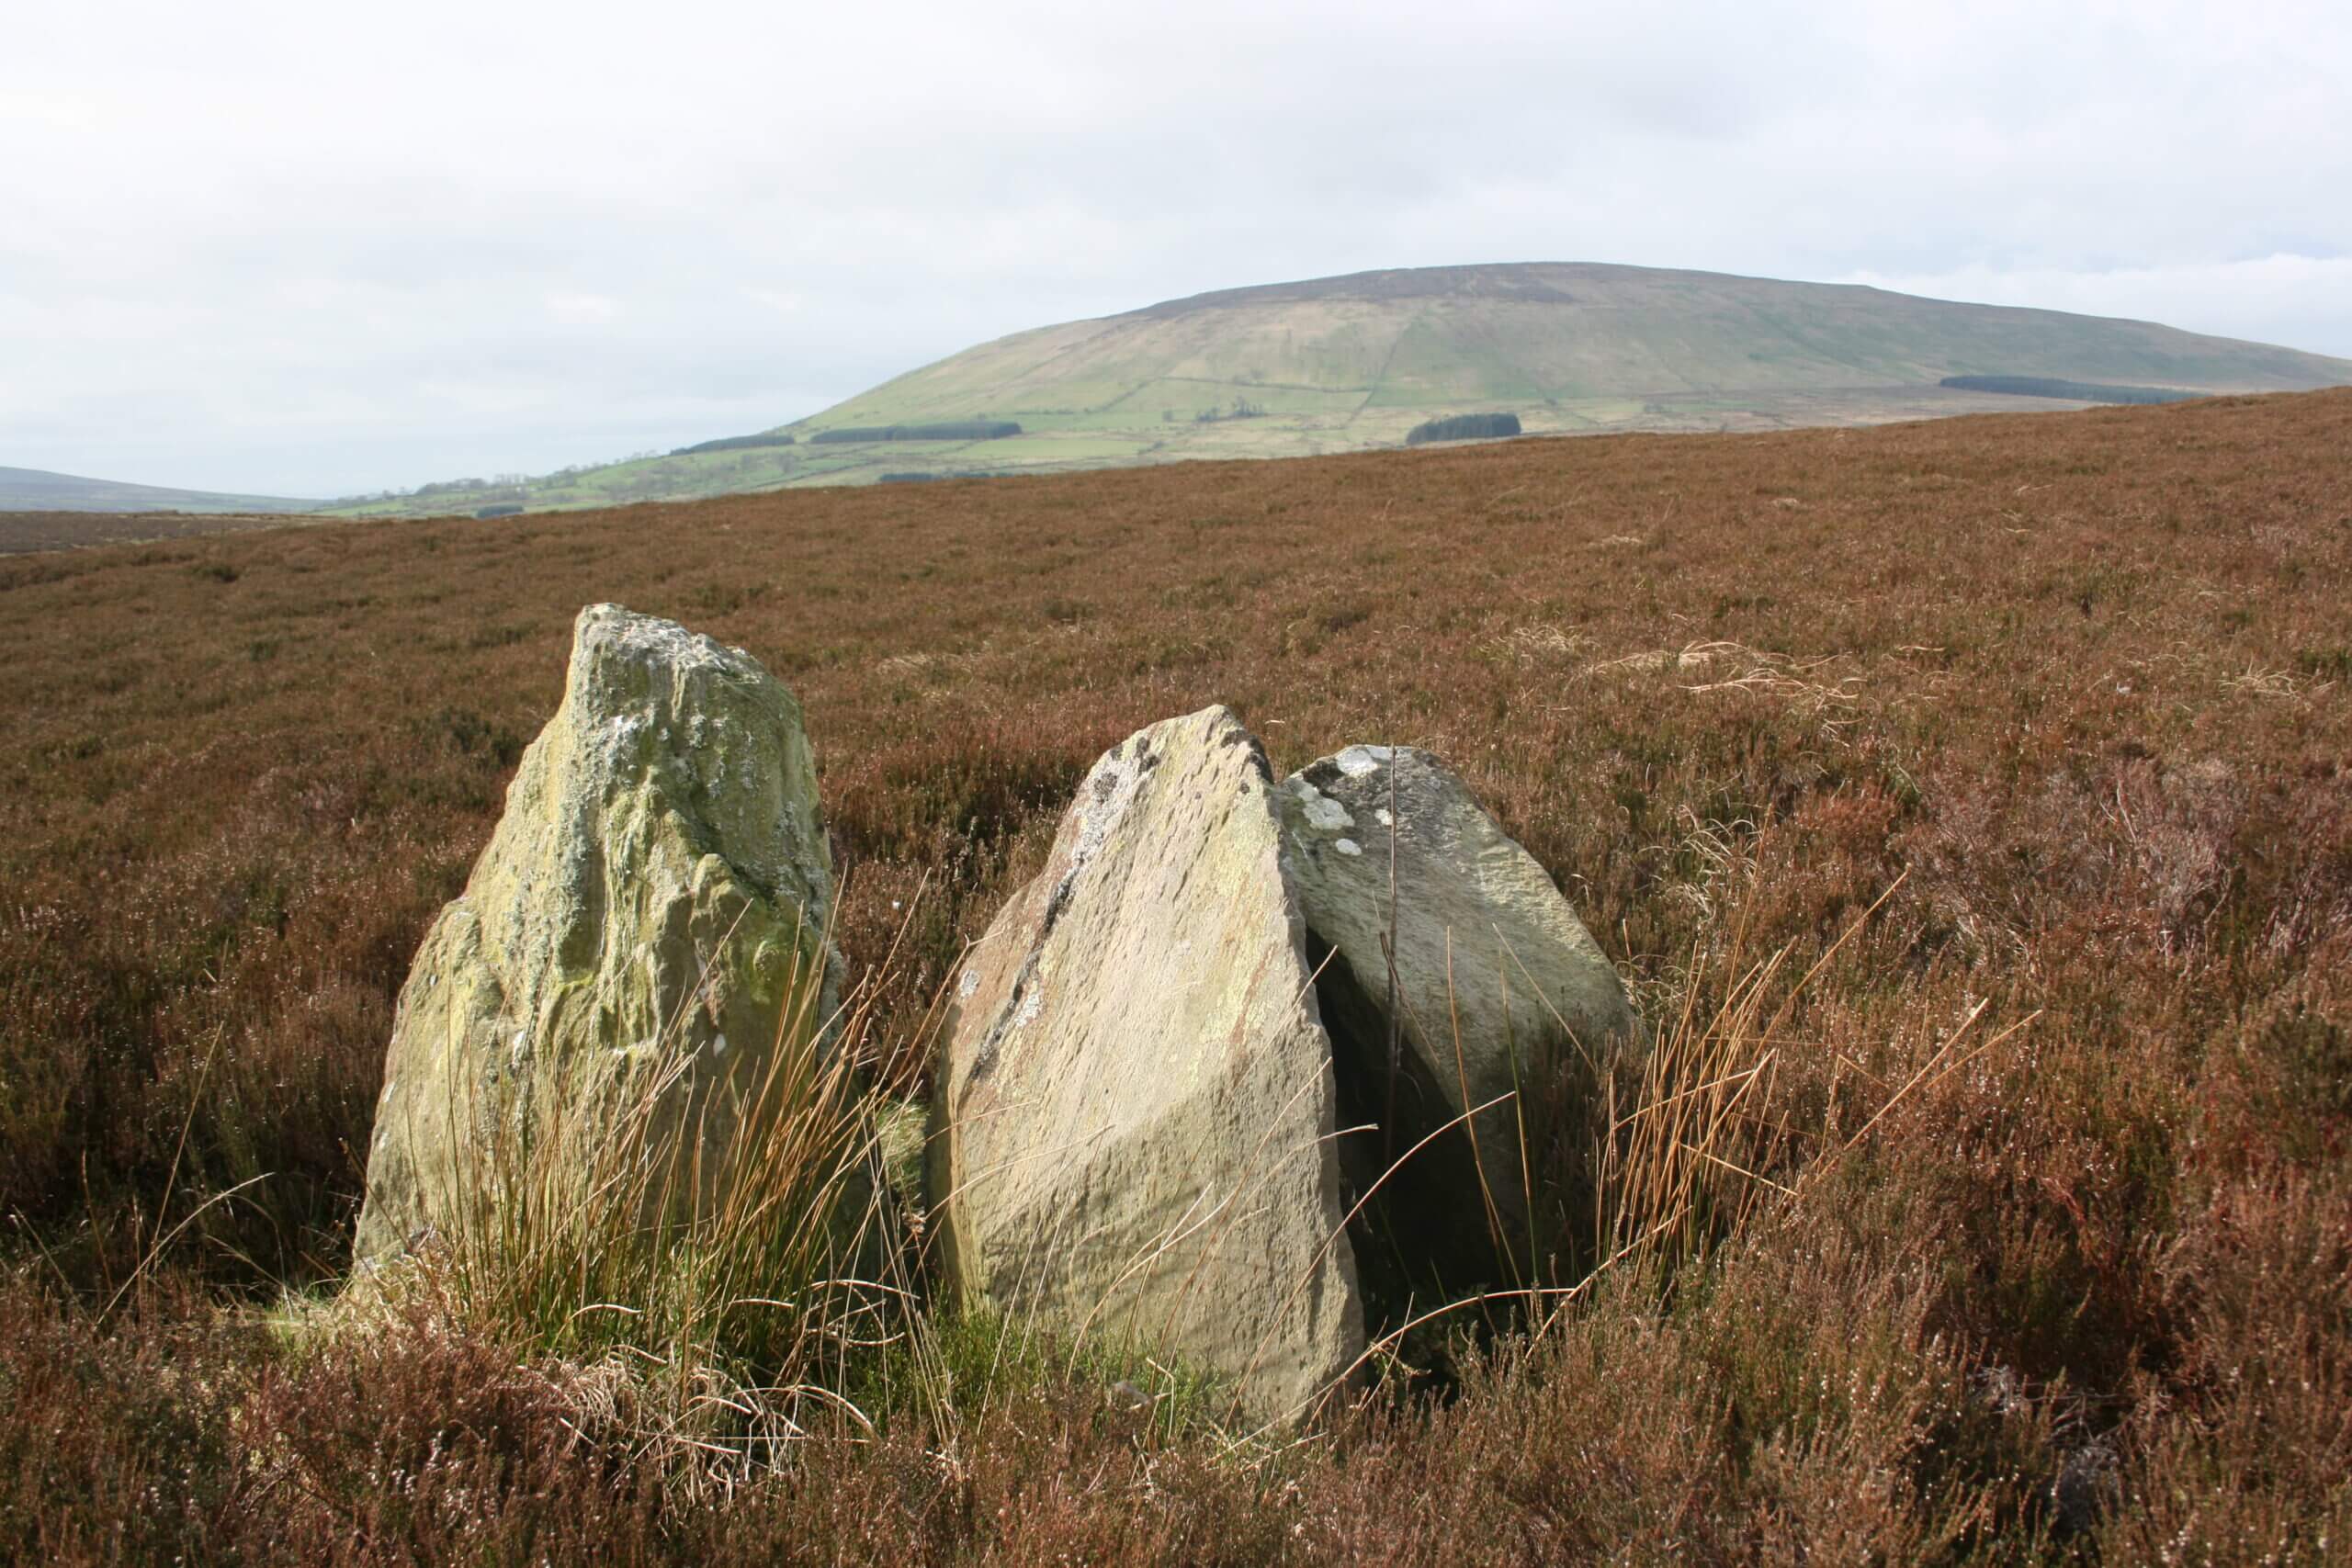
(1343,364)
(36,490)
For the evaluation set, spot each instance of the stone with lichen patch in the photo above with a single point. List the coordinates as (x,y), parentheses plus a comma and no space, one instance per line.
(1136,1104)
(1495,976)
(652,909)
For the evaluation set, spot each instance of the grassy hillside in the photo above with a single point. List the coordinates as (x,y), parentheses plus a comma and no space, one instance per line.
(35,489)
(1550,336)
(1344,364)
(2002,761)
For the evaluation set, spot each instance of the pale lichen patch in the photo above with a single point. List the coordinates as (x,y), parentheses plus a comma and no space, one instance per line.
(1320,809)
(1102,800)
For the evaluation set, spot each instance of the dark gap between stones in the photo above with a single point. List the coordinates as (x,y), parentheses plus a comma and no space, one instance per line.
(1425,1238)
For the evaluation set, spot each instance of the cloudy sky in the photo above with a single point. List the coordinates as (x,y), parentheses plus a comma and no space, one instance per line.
(265,245)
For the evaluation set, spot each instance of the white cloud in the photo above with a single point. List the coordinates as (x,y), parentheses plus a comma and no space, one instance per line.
(275,245)
(582,309)
(2302,302)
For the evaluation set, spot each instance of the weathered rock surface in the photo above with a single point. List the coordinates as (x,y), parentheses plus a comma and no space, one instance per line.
(1488,955)
(653,902)
(1136,1136)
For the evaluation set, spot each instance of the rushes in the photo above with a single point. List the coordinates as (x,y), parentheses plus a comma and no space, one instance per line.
(1684,1160)
(730,1246)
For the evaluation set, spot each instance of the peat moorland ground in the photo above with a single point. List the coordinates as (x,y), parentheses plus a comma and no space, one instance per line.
(2066,700)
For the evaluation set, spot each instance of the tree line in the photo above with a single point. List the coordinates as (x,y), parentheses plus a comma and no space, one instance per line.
(950,430)
(1464,427)
(2075,391)
(734,444)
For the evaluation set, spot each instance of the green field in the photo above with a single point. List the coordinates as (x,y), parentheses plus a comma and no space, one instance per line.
(1352,363)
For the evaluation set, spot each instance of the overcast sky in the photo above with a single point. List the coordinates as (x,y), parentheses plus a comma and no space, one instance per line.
(315,248)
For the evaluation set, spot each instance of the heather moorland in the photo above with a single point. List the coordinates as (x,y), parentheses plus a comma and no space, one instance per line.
(1973,797)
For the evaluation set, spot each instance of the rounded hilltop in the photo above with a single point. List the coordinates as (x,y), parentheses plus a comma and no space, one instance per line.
(1362,360)
(1336,364)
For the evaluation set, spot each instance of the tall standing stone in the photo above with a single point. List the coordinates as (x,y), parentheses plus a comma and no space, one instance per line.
(1136,1120)
(639,939)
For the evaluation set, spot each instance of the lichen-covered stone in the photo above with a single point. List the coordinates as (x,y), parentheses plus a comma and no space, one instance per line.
(653,902)
(1489,956)
(1136,1121)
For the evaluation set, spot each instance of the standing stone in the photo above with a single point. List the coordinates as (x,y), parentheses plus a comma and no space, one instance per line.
(1135,1131)
(644,930)
(1488,955)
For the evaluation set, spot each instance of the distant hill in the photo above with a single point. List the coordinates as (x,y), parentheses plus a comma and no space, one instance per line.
(35,489)
(1338,363)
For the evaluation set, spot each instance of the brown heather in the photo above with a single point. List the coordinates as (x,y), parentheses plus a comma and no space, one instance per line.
(2038,1244)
